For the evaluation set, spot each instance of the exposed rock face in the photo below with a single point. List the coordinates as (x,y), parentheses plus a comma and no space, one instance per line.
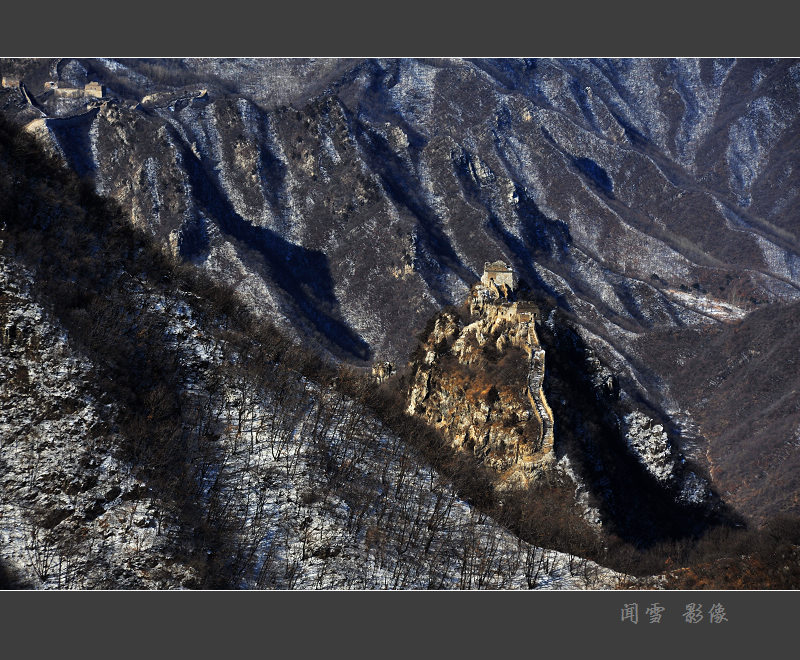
(382,370)
(480,383)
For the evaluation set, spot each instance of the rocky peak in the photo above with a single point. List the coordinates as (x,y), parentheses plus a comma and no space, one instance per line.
(478,378)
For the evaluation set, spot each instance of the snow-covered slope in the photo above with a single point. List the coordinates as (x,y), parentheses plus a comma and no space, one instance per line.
(303,487)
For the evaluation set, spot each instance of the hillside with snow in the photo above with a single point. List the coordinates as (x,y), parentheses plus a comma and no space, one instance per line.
(192,308)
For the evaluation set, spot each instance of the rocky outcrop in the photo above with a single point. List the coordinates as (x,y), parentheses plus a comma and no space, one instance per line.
(382,370)
(479,380)
(649,442)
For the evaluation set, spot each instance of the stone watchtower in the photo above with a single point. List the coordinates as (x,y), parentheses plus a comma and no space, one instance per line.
(93,89)
(498,273)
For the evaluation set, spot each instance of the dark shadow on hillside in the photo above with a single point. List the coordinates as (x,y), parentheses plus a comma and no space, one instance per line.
(273,173)
(72,134)
(193,240)
(402,185)
(543,236)
(596,174)
(302,274)
(632,503)
(7,580)
(515,74)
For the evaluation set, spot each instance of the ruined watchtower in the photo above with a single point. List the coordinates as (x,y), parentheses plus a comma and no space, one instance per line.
(94,89)
(526,311)
(498,273)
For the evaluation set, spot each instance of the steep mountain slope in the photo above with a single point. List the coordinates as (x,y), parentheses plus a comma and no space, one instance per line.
(154,435)
(741,383)
(351,200)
